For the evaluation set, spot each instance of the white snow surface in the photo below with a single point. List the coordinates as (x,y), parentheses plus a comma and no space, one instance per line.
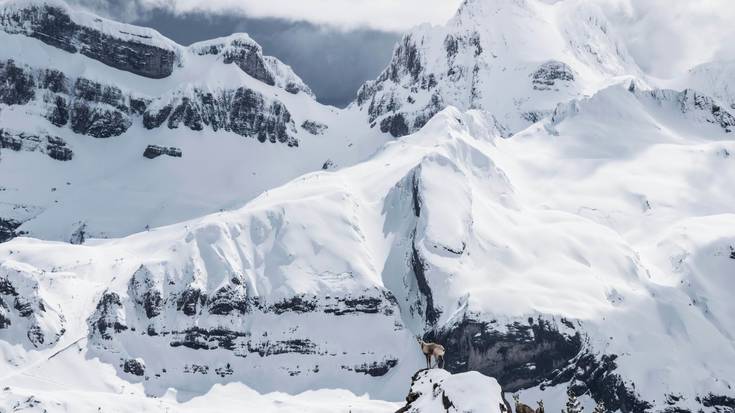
(601,216)
(615,211)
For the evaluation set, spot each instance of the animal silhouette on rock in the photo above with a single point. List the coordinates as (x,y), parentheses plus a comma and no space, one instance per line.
(523,408)
(432,350)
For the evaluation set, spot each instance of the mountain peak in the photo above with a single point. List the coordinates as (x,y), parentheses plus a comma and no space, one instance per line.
(515,59)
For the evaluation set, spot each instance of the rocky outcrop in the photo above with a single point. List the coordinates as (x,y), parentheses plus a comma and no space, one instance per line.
(29,320)
(690,103)
(9,229)
(107,318)
(595,375)
(154,151)
(135,50)
(520,355)
(721,403)
(437,390)
(374,369)
(243,111)
(314,127)
(104,111)
(193,316)
(541,352)
(53,146)
(241,50)
(552,74)
(713,112)
(88,107)
(17,85)
(134,367)
(406,67)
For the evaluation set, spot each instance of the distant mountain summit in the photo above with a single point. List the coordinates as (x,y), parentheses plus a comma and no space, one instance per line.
(515,59)
(102,105)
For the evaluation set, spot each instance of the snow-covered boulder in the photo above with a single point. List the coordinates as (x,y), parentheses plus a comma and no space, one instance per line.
(439,391)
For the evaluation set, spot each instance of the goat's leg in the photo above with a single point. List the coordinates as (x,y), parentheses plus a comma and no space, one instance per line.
(428,361)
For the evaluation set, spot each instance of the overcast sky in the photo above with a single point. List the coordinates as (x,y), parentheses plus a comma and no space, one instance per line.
(332,61)
(335,45)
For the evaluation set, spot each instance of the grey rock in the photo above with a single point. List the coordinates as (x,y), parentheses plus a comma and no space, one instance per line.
(551,74)
(154,151)
(17,86)
(242,111)
(9,230)
(314,127)
(134,367)
(375,368)
(105,321)
(53,146)
(54,26)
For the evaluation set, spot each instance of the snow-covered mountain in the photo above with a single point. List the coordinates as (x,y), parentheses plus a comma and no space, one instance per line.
(515,59)
(589,247)
(715,78)
(117,120)
(566,255)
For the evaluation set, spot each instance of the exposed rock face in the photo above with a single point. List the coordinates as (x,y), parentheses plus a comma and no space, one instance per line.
(107,318)
(519,355)
(720,403)
(104,111)
(313,127)
(405,67)
(53,24)
(537,353)
(134,367)
(190,315)
(552,74)
(24,314)
(243,111)
(692,104)
(691,100)
(375,369)
(154,151)
(17,86)
(8,229)
(243,51)
(88,107)
(596,376)
(53,146)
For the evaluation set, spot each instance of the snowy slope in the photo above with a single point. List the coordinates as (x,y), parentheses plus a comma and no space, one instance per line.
(515,59)
(239,121)
(593,250)
(568,255)
(716,78)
